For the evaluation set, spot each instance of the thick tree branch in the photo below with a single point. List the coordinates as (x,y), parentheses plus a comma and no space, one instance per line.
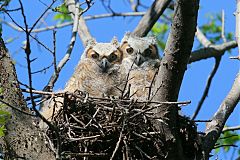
(151,16)
(83,31)
(212,51)
(174,63)
(215,127)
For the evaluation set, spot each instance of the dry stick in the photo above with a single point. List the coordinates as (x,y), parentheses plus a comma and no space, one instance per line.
(151,16)
(61,93)
(119,139)
(142,152)
(207,87)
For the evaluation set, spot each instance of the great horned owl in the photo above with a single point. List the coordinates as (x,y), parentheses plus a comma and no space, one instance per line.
(98,70)
(140,62)
(97,73)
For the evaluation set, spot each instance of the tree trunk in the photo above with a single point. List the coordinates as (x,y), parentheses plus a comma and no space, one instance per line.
(22,138)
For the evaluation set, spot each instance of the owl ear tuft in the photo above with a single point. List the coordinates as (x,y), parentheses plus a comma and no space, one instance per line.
(115,41)
(91,42)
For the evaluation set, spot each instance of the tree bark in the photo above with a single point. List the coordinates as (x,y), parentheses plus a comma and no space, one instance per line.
(22,138)
(172,69)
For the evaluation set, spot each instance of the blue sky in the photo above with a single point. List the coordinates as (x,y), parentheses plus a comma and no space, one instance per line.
(103,30)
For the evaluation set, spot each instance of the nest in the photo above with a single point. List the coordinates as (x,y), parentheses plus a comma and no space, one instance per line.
(108,128)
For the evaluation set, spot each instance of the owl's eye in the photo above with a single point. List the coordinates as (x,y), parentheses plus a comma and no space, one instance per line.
(147,52)
(129,50)
(95,55)
(112,57)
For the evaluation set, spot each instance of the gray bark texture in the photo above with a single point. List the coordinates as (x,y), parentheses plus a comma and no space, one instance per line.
(172,69)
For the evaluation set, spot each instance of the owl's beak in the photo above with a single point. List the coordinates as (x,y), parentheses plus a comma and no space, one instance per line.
(139,59)
(104,64)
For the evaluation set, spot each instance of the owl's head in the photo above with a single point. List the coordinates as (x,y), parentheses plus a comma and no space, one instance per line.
(105,55)
(139,49)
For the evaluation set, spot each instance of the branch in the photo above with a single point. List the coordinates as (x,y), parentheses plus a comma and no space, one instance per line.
(83,31)
(151,16)
(15,27)
(215,127)
(206,90)
(202,38)
(212,51)
(173,65)
(225,129)
(64,60)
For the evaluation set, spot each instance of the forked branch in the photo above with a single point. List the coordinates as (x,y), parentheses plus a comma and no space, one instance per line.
(150,18)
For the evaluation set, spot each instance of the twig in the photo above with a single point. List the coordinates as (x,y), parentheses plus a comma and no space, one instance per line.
(225,145)
(151,16)
(235,57)
(223,27)
(202,38)
(83,31)
(28,52)
(202,120)
(64,60)
(207,87)
(54,51)
(65,24)
(84,138)
(142,152)
(16,108)
(43,70)
(53,1)
(119,139)
(225,129)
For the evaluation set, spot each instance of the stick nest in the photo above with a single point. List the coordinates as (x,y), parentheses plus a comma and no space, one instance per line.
(107,128)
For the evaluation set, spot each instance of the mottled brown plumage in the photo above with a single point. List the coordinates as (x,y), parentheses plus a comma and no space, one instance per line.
(141,61)
(96,74)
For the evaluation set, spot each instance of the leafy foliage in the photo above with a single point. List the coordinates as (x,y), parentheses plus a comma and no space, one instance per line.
(63,14)
(160,30)
(213,29)
(226,140)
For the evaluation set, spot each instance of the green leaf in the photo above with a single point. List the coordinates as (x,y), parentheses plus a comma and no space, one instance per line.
(2,131)
(63,14)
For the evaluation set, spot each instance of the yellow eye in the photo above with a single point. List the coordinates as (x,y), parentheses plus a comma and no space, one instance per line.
(129,50)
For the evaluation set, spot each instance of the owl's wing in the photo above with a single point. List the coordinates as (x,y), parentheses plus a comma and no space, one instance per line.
(142,81)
